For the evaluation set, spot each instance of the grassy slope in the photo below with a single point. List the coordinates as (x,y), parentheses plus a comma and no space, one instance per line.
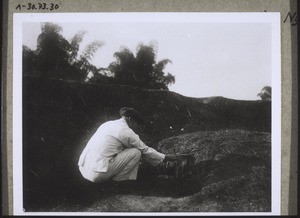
(60,116)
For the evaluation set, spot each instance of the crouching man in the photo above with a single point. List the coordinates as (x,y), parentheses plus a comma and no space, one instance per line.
(115,150)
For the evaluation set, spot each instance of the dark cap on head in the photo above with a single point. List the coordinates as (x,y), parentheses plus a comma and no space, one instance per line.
(130,112)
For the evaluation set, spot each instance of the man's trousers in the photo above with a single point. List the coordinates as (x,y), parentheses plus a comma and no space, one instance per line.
(124,166)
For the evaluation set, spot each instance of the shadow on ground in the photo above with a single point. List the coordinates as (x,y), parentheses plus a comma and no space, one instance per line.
(203,174)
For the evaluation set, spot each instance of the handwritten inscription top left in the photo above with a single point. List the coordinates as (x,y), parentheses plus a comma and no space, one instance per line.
(38,6)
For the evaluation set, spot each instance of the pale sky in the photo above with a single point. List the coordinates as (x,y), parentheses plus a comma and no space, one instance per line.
(232,60)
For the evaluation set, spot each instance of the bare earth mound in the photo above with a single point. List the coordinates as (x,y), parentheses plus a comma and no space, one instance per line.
(239,166)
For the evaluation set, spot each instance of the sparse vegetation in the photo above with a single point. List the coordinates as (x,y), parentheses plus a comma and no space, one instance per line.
(266,93)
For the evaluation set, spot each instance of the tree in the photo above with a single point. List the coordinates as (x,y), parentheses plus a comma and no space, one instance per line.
(162,81)
(56,57)
(265,94)
(141,70)
(123,68)
(84,61)
(52,51)
(75,43)
(144,65)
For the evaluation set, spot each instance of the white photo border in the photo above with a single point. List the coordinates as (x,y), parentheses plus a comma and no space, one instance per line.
(207,17)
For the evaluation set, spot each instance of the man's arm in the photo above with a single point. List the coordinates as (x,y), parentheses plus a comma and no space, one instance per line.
(130,139)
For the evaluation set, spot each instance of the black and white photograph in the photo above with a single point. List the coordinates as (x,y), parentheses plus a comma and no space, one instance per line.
(147,113)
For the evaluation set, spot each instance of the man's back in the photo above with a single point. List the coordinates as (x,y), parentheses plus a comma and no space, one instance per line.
(103,145)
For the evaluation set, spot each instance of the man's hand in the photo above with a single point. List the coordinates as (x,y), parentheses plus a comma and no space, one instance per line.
(171,157)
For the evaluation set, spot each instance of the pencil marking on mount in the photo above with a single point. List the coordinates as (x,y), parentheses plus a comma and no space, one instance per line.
(293,18)
(38,6)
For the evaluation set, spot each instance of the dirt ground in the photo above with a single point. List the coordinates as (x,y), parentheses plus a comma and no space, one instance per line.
(236,165)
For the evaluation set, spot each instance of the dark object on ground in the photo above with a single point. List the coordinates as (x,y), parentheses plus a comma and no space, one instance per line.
(177,167)
(184,165)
